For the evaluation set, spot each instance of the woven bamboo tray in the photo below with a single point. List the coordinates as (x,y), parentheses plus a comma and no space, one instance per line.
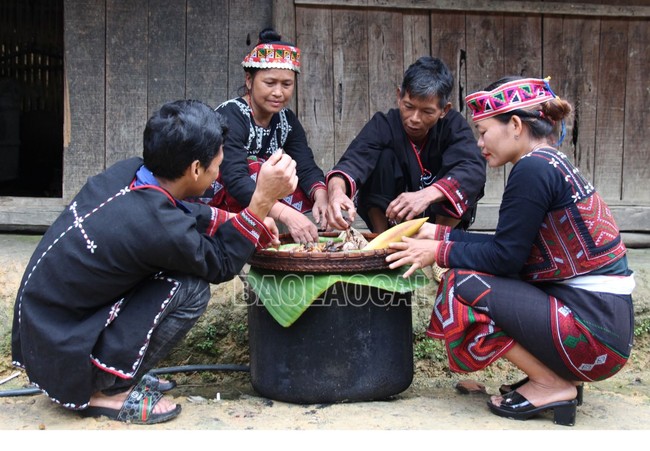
(321,262)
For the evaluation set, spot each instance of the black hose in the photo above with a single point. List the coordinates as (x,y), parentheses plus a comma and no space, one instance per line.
(166,370)
(193,368)
(20,392)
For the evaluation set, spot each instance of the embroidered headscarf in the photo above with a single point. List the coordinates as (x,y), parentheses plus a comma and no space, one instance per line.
(274,56)
(511,96)
(514,95)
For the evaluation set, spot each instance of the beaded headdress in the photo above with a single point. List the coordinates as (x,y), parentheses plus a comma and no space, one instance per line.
(509,96)
(273,56)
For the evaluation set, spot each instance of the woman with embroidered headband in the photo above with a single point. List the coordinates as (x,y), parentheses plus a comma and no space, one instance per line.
(550,290)
(260,125)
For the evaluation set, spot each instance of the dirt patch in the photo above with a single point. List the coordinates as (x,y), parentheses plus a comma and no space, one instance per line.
(227,401)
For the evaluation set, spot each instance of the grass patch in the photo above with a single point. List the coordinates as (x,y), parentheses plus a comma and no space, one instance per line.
(426,348)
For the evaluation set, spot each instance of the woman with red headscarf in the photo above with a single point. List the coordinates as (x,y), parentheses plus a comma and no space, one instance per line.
(260,125)
(550,290)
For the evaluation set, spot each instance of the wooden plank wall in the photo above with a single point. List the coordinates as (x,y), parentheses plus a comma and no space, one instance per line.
(354,56)
(85,66)
(125,59)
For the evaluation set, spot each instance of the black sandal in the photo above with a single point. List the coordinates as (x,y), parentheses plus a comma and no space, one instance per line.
(517,407)
(505,389)
(138,405)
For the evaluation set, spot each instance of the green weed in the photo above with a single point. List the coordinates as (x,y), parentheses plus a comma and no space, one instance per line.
(207,342)
(430,349)
(642,328)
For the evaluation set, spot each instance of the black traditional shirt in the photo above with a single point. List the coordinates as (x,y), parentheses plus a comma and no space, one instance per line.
(246,139)
(450,156)
(76,307)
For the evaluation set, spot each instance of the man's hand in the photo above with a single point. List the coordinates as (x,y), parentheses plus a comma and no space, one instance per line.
(270,224)
(277,179)
(339,202)
(410,205)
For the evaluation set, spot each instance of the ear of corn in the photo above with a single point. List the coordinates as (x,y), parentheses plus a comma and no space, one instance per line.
(395,234)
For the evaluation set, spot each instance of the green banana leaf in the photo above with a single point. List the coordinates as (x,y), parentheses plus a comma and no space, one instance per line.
(287,295)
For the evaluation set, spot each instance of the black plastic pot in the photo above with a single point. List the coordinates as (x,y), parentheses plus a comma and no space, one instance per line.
(354,343)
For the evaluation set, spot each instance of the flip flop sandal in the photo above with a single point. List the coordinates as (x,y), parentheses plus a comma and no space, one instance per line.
(138,406)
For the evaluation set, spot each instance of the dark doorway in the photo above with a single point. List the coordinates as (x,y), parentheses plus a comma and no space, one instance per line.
(31,98)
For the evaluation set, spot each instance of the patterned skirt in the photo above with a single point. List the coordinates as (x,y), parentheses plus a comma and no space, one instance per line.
(580,335)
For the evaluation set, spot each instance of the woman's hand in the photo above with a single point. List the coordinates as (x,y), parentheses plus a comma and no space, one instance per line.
(300,227)
(319,210)
(412,251)
(428,231)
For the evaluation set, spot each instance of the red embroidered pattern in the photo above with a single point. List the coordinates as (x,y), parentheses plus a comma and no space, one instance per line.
(584,355)
(455,195)
(251,227)
(575,241)
(472,340)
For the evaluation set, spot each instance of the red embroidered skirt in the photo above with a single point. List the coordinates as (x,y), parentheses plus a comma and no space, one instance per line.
(481,316)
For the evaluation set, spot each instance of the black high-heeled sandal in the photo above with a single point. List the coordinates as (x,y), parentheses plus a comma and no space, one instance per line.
(505,388)
(516,406)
